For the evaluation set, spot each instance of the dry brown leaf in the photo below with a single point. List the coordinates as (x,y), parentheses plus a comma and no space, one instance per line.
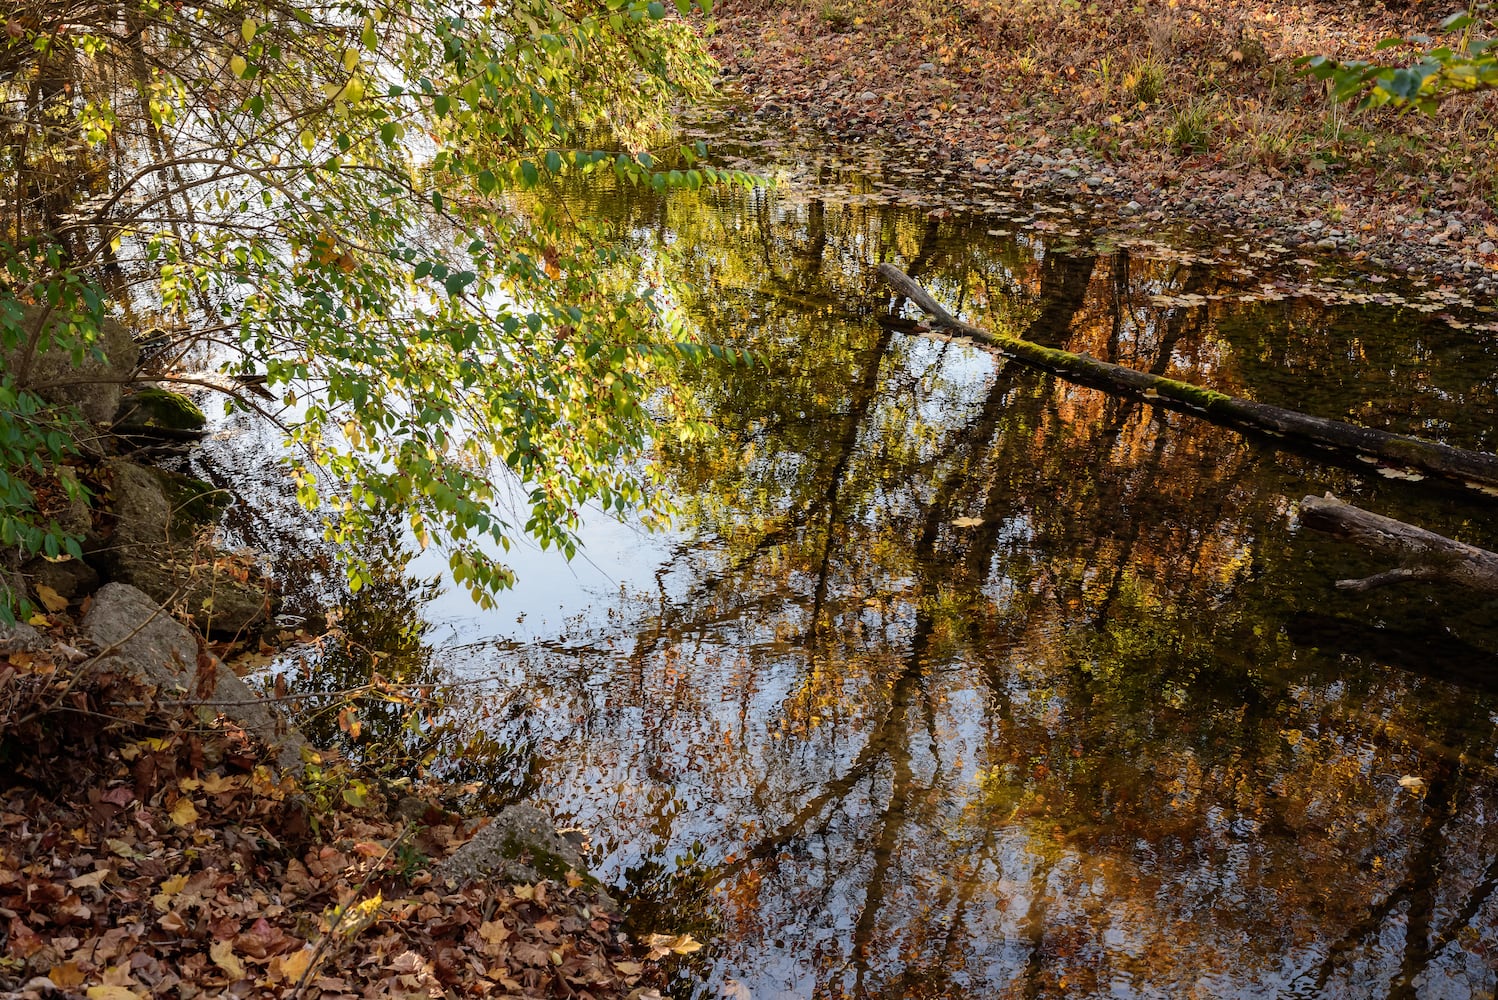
(291,968)
(91,880)
(66,975)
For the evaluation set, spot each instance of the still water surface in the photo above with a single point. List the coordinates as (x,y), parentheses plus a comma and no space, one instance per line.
(959,681)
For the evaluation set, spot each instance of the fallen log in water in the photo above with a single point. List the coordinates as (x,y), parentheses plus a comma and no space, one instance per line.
(1399,454)
(1427,555)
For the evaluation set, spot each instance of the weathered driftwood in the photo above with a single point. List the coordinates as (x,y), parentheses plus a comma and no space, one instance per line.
(1427,555)
(1415,456)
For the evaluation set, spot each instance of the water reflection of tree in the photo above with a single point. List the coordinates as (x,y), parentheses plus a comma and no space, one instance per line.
(997,670)
(413,714)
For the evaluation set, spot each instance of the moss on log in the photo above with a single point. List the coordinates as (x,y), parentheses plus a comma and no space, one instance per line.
(1414,457)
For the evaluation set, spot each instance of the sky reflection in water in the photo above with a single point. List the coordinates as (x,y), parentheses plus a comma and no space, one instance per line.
(958,681)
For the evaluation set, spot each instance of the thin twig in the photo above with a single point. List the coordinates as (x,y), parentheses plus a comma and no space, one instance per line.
(322,944)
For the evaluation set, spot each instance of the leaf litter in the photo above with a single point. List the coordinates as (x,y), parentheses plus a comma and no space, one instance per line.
(141,857)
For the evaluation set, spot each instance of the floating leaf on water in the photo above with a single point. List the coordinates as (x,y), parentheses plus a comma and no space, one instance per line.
(966,522)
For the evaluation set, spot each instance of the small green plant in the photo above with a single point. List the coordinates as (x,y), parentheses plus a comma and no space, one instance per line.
(1269,146)
(1106,74)
(410,859)
(1145,80)
(1191,130)
(837,17)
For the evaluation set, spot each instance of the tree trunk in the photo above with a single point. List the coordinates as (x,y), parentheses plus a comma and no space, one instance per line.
(1429,556)
(1396,454)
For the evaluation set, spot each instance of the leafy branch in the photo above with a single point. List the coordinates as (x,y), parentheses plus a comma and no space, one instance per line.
(1468,64)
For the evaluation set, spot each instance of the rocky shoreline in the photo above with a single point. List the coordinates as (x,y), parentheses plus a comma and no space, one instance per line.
(1426,227)
(212,849)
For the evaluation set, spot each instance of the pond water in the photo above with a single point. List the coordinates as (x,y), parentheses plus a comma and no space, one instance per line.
(956,680)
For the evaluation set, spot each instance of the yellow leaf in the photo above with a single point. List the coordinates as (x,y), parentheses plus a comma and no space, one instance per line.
(237,66)
(350,60)
(51,599)
(684,944)
(66,976)
(573,878)
(307,139)
(354,91)
(293,967)
(247,30)
(174,885)
(966,522)
(222,953)
(184,812)
(112,993)
(40,621)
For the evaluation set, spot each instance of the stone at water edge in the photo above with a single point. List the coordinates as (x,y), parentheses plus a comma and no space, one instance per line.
(152,548)
(153,408)
(97,400)
(520,845)
(139,638)
(71,578)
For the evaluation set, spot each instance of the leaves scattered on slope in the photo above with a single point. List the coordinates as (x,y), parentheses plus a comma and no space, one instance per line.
(147,863)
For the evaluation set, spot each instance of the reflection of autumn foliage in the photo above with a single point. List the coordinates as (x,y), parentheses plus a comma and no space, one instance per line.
(977,684)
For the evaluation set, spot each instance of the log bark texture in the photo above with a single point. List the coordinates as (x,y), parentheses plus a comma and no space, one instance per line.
(1409,457)
(1427,555)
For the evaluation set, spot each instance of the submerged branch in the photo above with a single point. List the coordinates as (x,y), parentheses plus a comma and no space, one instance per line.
(1429,556)
(1475,469)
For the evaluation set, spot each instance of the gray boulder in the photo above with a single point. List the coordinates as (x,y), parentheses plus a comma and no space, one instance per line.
(22,638)
(152,549)
(94,385)
(137,637)
(520,845)
(70,578)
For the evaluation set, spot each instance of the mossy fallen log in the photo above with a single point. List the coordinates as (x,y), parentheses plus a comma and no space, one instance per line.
(1425,555)
(1404,456)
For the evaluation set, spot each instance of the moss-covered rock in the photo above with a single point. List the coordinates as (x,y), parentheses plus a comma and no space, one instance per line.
(193,502)
(155,409)
(155,549)
(520,845)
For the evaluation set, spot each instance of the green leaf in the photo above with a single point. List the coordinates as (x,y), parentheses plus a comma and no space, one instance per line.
(455,283)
